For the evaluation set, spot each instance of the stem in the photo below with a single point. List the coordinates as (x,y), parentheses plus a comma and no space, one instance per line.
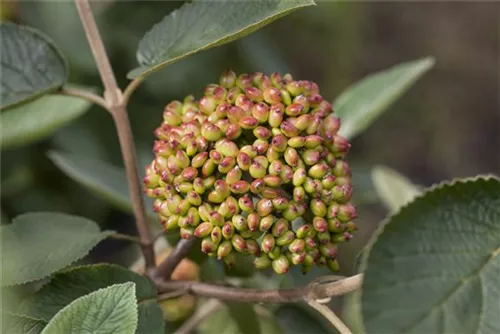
(167,267)
(330,316)
(89,96)
(201,314)
(119,236)
(115,105)
(314,291)
(131,87)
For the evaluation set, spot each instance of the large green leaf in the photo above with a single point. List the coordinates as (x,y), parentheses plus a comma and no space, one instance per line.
(31,65)
(105,180)
(109,310)
(37,244)
(76,282)
(361,104)
(204,24)
(394,189)
(435,266)
(18,324)
(39,119)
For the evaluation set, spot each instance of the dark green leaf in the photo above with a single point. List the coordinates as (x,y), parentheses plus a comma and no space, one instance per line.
(37,244)
(434,267)
(245,317)
(39,119)
(31,65)
(394,189)
(361,104)
(109,310)
(191,29)
(18,324)
(150,318)
(294,319)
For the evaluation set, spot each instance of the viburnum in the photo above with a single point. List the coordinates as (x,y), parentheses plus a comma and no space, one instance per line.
(256,166)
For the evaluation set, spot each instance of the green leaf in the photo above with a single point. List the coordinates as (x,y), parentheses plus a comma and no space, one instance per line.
(191,29)
(109,310)
(434,266)
(31,65)
(39,119)
(394,189)
(37,244)
(105,180)
(361,104)
(18,324)
(245,317)
(76,282)
(294,319)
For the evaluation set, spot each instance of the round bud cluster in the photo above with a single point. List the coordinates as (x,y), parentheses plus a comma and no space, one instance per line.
(242,164)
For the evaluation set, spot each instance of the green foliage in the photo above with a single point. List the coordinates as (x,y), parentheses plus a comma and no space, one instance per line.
(109,310)
(39,119)
(434,266)
(394,189)
(18,324)
(31,65)
(191,29)
(245,317)
(76,282)
(37,244)
(362,103)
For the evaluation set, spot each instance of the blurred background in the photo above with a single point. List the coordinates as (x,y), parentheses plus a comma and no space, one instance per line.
(446,126)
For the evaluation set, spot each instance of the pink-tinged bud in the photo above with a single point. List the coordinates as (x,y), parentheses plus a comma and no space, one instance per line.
(275,168)
(266,223)
(311,157)
(233,175)
(297,246)
(314,125)
(170,223)
(243,161)
(226,164)
(311,244)
(269,193)
(272,181)
(299,177)
(208,246)
(291,213)
(318,208)
(294,109)
(249,150)
(257,170)
(332,211)
(281,265)
(276,80)
(343,180)
(333,265)
(351,227)
(288,129)
(279,142)
(297,258)
(319,170)
(261,146)
(219,94)
(246,204)
(346,212)
(202,143)
(204,211)
(233,131)
(216,218)
(296,142)
(315,100)
(341,169)
(267,243)
(264,207)
(291,156)
(224,249)
(261,112)
(186,232)
(262,262)
(203,230)
(275,253)
(335,226)
(174,107)
(227,79)
(228,230)
(232,93)
(340,144)
(253,221)
(189,173)
(285,97)
(207,104)
(323,237)
(239,243)
(294,88)
(240,187)
(171,118)
(272,95)
(276,115)
(303,231)
(280,227)
(328,182)
(328,250)
(193,198)
(209,182)
(234,114)
(252,247)
(280,203)
(208,168)
(254,94)
(257,186)
(262,133)
(342,194)
(243,102)
(313,141)
(286,174)
(244,81)
(239,223)
(248,122)
(320,224)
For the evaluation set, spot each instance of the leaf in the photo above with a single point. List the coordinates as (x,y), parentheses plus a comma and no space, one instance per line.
(434,266)
(109,310)
(191,29)
(76,282)
(39,119)
(18,324)
(245,317)
(105,180)
(361,104)
(31,65)
(394,189)
(294,319)
(39,243)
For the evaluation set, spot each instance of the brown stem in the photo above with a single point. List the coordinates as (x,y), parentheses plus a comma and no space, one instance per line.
(126,237)
(314,291)
(114,101)
(167,267)
(89,96)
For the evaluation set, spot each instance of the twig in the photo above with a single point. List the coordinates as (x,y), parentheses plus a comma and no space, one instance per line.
(314,291)
(330,316)
(114,99)
(167,267)
(201,313)
(132,86)
(119,236)
(89,96)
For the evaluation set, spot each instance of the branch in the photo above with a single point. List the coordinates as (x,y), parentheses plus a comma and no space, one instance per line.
(201,314)
(131,238)
(89,96)
(330,316)
(167,267)
(314,291)
(132,86)
(114,99)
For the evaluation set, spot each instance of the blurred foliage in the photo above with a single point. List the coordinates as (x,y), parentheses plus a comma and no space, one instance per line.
(446,126)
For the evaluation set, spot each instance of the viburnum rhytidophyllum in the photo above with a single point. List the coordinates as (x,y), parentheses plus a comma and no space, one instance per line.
(255,166)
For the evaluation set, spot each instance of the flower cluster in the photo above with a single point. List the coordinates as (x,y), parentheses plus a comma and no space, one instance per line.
(255,166)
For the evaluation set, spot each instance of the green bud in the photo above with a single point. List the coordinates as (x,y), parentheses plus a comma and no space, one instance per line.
(310,244)
(184,187)
(224,249)
(253,220)
(286,238)
(297,246)
(335,226)
(216,234)
(227,79)
(210,131)
(267,243)
(320,224)
(351,227)
(246,204)
(238,243)
(240,223)
(319,170)
(208,246)
(228,230)
(248,122)
(171,222)
(265,223)
(299,194)
(275,253)
(303,231)
(280,203)
(216,218)
(299,177)
(262,262)
(198,185)
(323,237)
(260,145)
(346,212)
(311,157)
(208,168)
(281,265)
(318,208)
(243,161)
(280,227)
(296,142)
(264,207)
(193,217)
(204,211)
(186,232)
(261,112)
(290,213)
(291,156)
(203,230)
(276,115)
(285,97)
(333,265)
(328,250)
(297,258)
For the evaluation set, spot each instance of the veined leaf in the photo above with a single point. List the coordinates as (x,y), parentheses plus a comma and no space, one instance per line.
(394,189)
